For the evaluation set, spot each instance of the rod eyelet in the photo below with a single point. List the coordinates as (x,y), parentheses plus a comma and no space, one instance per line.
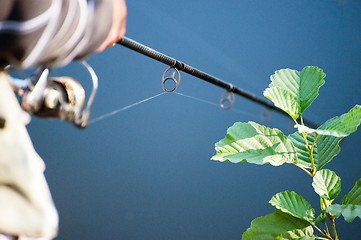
(172,78)
(227,100)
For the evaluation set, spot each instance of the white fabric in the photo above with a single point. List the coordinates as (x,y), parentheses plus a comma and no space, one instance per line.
(26,206)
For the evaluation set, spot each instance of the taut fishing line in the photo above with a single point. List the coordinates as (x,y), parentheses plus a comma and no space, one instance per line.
(215,104)
(97,119)
(227,99)
(63,97)
(107,115)
(178,66)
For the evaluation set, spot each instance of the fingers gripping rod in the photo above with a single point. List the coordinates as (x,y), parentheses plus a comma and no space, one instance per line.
(174,63)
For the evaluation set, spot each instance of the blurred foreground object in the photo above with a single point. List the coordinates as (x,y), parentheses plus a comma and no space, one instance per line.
(26,206)
(45,34)
(52,33)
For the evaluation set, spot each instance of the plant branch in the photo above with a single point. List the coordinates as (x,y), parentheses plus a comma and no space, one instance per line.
(316,137)
(324,204)
(323,233)
(304,169)
(333,225)
(322,238)
(310,152)
(314,142)
(295,121)
(328,232)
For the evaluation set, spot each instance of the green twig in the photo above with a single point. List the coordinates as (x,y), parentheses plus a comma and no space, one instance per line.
(323,233)
(328,232)
(311,154)
(301,119)
(295,121)
(304,169)
(314,142)
(333,225)
(325,203)
(309,148)
(322,238)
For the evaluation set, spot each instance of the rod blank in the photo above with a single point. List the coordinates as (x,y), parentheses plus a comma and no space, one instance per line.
(172,62)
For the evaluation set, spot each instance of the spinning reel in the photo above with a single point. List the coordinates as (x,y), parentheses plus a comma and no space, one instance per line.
(56,97)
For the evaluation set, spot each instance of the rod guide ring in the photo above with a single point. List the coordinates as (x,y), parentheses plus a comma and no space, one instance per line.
(172,78)
(227,97)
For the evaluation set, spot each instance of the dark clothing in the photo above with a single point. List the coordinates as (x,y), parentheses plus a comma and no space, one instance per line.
(51,32)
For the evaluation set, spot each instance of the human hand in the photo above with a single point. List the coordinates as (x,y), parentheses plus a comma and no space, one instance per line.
(117,30)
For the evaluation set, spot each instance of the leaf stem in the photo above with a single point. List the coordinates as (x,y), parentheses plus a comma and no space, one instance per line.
(304,169)
(310,152)
(310,148)
(295,121)
(326,235)
(333,225)
(301,119)
(314,142)
(328,232)
(325,204)
(323,238)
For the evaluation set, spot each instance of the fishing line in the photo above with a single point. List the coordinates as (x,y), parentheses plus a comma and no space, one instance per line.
(197,99)
(97,119)
(215,104)
(180,66)
(107,115)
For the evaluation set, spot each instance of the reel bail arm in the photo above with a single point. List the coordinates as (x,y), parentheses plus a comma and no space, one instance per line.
(56,97)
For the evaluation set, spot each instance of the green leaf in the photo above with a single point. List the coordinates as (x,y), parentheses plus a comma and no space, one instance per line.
(311,79)
(347,123)
(278,225)
(354,195)
(321,218)
(303,86)
(286,79)
(294,204)
(326,184)
(324,203)
(326,147)
(282,99)
(254,143)
(303,157)
(348,211)
(350,205)
(304,129)
(308,238)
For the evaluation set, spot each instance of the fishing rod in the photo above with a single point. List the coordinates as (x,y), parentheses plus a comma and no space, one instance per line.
(64,97)
(180,66)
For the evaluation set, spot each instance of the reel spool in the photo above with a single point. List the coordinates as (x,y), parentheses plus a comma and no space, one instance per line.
(58,97)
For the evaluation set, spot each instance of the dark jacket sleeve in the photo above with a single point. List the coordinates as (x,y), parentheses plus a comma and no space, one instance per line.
(51,32)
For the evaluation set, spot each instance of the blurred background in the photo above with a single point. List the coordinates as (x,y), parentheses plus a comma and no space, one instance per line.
(146,173)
